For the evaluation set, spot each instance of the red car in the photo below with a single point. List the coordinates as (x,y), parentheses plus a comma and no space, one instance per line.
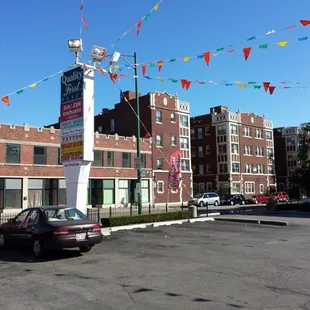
(280,197)
(260,199)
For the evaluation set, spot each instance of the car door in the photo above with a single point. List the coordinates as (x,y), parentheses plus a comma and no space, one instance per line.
(211,199)
(205,199)
(16,228)
(30,227)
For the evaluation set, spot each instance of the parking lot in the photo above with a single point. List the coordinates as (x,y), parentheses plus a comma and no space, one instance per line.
(212,265)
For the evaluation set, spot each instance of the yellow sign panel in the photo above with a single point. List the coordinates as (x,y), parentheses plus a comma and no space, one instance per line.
(73,148)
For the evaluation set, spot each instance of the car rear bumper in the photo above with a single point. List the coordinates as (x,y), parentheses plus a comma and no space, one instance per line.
(69,241)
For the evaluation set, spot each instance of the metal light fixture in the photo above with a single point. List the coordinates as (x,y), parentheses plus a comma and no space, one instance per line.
(98,53)
(75,45)
(115,57)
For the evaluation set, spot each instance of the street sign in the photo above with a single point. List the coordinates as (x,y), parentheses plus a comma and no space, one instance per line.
(137,163)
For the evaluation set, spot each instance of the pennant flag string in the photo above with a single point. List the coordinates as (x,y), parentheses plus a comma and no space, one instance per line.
(83,20)
(19,91)
(138,24)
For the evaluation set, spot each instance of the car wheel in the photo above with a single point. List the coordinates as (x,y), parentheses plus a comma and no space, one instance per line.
(84,249)
(37,248)
(216,203)
(2,240)
(201,204)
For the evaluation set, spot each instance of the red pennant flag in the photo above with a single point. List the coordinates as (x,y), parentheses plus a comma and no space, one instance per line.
(100,70)
(84,22)
(185,84)
(160,64)
(207,57)
(305,22)
(139,26)
(143,70)
(231,51)
(113,77)
(6,100)
(271,89)
(147,135)
(266,85)
(246,52)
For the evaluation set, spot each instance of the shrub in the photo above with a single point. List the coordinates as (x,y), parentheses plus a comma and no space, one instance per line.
(144,218)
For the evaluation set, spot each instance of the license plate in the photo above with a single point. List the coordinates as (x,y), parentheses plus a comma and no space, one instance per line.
(81,236)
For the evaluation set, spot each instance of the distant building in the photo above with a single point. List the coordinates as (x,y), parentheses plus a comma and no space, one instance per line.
(232,153)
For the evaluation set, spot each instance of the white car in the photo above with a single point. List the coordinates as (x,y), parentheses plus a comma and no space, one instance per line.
(204,199)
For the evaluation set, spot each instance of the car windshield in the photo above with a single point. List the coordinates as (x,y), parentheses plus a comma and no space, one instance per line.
(198,195)
(64,214)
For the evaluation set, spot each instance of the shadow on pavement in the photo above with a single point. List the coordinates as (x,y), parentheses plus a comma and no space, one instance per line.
(23,256)
(285,214)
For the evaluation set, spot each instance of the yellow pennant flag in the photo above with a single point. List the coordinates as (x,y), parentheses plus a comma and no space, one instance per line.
(33,85)
(156,6)
(160,79)
(115,68)
(242,85)
(238,82)
(282,43)
(187,58)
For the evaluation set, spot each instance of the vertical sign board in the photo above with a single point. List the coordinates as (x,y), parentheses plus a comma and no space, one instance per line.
(72,115)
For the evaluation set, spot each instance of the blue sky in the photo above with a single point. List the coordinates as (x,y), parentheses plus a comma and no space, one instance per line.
(34,38)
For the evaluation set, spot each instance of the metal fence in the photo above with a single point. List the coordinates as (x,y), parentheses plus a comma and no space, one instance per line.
(4,217)
(97,213)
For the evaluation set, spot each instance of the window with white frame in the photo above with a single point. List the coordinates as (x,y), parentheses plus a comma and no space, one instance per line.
(270,170)
(209,186)
(200,151)
(248,168)
(208,149)
(160,186)
(208,168)
(249,187)
(159,140)
(199,133)
(183,120)
(172,117)
(269,153)
(234,148)
(268,135)
(222,149)
(247,132)
(260,169)
(258,133)
(184,143)
(159,163)
(184,164)
(201,169)
(248,150)
(259,151)
(173,140)
(235,188)
(223,168)
(221,130)
(159,116)
(261,188)
(207,130)
(235,167)
(234,129)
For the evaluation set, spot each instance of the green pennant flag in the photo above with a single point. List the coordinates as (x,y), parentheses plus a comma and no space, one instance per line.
(257,86)
(263,46)
(20,91)
(172,60)
(251,83)
(152,65)
(174,80)
(147,16)
(220,49)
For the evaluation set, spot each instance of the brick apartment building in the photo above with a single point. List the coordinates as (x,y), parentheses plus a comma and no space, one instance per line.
(167,120)
(31,173)
(286,145)
(232,153)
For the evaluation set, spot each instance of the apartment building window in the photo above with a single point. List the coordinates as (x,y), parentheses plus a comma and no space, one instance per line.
(159,116)
(173,140)
(222,149)
(248,150)
(159,140)
(291,163)
(183,120)
(11,193)
(247,132)
(12,153)
(235,188)
(200,151)
(221,130)
(201,169)
(222,158)
(160,186)
(248,168)
(223,168)
(35,192)
(143,161)
(234,129)
(258,133)
(209,186)
(193,151)
(207,130)
(126,160)
(270,153)
(235,167)
(110,159)
(208,168)
(172,117)
(199,133)
(98,159)
(112,125)
(249,187)
(221,139)
(261,188)
(59,157)
(192,133)
(268,135)
(270,170)
(259,151)
(208,149)
(39,155)
(234,148)
(99,129)
(291,148)
(194,168)
(184,143)
(185,165)
(159,164)
(260,169)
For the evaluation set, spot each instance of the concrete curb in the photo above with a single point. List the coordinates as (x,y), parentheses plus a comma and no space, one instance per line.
(253,221)
(107,231)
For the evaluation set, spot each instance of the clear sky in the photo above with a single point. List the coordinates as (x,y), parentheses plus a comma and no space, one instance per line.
(34,34)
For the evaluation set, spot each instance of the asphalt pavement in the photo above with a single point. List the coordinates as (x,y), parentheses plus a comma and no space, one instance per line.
(211,265)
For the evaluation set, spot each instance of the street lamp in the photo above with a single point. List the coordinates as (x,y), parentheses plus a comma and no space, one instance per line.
(76,46)
(115,57)
(98,54)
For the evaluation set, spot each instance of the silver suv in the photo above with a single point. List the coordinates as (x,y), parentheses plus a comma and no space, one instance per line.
(204,199)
